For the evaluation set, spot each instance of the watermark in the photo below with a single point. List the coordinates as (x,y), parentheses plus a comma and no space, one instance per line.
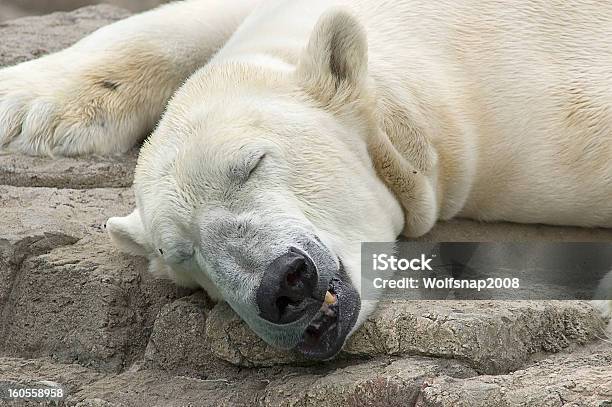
(34,391)
(509,271)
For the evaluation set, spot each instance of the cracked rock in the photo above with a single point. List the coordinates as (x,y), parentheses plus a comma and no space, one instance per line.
(581,378)
(377,383)
(84,303)
(65,291)
(178,342)
(38,220)
(158,388)
(492,337)
(232,340)
(30,212)
(44,372)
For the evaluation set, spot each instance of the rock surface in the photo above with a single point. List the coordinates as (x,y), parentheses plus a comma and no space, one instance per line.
(66,172)
(77,315)
(492,337)
(18,8)
(33,37)
(10,11)
(580,378)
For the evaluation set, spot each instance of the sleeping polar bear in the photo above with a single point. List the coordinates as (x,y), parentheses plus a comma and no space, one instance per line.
(297,129)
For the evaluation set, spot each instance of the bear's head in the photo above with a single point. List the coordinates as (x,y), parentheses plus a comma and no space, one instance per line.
(259,185)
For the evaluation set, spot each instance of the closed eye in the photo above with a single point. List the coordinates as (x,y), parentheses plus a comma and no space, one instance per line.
(242,170)
(176,257)
(256,165)
(178,260)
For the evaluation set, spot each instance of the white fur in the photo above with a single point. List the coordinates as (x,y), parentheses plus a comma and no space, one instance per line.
(502,109)
(57,105)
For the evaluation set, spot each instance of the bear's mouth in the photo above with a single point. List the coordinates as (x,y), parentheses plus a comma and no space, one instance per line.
(327,331)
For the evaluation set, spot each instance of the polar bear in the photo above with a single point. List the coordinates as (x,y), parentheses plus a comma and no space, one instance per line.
(296,129)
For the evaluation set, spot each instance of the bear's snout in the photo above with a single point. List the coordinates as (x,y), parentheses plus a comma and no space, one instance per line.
(288,288)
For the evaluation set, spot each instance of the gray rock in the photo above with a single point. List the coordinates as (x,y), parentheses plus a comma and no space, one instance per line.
(66,172)
(10,12)
(580,378)
(178,342)
(38,220)
(492,337)
(84,303)
(232,340)
(44,373)
(94,403)
(30,212)
(395,383)
(64,290)
(383,382)
(48,6)
(32,37)
(157,388)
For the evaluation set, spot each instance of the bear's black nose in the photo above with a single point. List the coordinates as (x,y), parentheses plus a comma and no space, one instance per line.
(288,281)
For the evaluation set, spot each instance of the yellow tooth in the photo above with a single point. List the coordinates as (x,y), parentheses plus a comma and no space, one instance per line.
(329,298)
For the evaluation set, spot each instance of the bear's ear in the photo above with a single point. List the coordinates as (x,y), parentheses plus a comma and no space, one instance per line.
(333,67)
(128,234)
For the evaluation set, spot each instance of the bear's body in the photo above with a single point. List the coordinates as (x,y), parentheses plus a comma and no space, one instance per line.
(407,111)
(514,97)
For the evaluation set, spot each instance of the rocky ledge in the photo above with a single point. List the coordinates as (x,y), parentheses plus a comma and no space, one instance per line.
(78,315)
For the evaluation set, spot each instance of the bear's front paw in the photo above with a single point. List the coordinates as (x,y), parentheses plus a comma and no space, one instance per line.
(54,106)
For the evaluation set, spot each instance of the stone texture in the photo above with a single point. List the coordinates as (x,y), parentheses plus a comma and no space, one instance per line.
(232,340)
(18,373)
(48,6)
(378,382)
(10,12)
(492,337)
(65,291)
(581,378)
(29,212)
(38,220)
(392,383)
(83,303)
(66,172)
(33,37)
(178,342)
(156,388)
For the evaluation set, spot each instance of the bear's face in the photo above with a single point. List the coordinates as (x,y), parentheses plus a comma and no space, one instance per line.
(263,193)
